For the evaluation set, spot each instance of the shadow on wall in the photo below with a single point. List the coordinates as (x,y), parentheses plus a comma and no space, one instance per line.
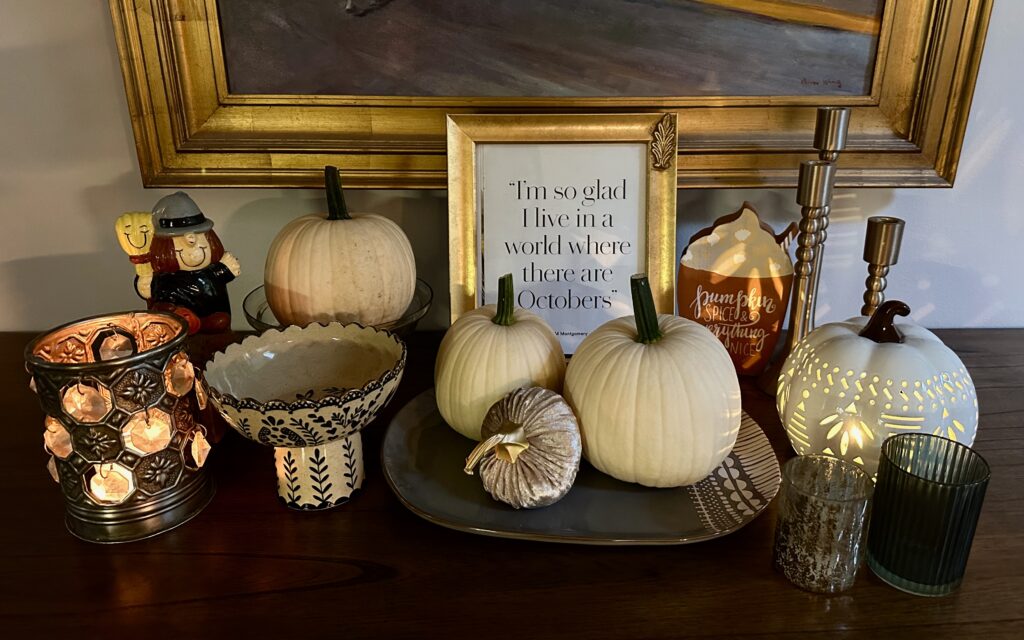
(44,288)
(41,289)
(944,286)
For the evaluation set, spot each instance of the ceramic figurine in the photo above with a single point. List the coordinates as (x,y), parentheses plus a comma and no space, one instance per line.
(189,269)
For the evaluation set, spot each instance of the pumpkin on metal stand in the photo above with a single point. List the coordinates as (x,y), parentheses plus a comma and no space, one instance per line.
(339,268)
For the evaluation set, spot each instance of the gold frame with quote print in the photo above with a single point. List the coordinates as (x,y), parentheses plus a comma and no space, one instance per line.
(465,132)
(191,130)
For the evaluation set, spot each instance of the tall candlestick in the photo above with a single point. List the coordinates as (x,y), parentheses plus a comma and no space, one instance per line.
(881,251)
(814,191)
(830,131)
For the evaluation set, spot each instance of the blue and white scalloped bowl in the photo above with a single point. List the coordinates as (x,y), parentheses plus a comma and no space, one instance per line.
(307,391)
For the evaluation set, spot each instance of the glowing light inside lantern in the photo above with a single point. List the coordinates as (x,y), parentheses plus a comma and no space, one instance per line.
(110,483)
(179,375)
(156,333)
(57,438)
(86,402)
(51,466)
(846,429)
(147,431)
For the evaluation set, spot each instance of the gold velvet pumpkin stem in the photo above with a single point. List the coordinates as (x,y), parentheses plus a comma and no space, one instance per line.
(336,207)
(647,330)
(505,316)
(507,445)
(482,450)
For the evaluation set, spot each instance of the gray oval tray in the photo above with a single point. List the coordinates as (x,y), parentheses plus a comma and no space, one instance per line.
(423,459)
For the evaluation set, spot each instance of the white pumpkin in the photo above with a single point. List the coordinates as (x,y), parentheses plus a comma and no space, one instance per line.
(489,352)
(341,268)
(849,385)
(657,396)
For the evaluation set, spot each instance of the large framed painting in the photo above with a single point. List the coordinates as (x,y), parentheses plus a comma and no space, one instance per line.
(265,93)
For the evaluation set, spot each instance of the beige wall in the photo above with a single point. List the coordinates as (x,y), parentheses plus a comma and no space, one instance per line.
(68,168)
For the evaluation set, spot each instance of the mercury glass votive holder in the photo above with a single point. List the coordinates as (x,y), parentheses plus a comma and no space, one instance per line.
(927,503)
(121,400)
(823,510)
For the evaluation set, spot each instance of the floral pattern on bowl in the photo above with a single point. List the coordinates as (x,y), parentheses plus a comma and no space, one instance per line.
(308,422)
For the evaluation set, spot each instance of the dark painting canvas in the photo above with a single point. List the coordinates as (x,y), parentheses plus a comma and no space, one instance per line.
(550,48)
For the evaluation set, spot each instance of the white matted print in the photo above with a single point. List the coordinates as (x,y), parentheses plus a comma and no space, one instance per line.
(571,205)
(568,221)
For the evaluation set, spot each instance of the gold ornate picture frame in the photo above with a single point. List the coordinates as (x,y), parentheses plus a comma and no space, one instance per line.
(649,137)
(192,130)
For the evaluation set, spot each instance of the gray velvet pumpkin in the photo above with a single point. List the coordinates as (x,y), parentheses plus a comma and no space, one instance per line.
(530,449)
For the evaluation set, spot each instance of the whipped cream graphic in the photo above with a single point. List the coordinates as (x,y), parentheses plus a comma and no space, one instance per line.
(741,248)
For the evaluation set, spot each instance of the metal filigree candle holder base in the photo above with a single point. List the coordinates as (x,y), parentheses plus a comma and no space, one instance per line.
(121,399)
(144,520)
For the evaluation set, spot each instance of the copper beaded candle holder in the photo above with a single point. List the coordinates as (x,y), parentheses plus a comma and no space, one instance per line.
(121,397)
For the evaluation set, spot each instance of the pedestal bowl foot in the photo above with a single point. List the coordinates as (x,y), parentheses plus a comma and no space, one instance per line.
(321,476)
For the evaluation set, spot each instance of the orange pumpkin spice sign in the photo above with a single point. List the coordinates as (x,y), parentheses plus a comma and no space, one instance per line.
(735,278)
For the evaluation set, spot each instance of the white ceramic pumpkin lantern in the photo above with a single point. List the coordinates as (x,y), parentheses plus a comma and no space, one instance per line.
(657,396)
(341,268)
(489,352)
(849,385)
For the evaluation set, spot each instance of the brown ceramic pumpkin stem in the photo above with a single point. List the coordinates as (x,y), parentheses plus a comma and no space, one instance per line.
(647,330)
(505,315)
(880,327)
(507,445)
(336,207)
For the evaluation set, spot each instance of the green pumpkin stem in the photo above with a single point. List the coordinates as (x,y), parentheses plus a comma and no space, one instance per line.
(646,316)
(505,316)
(881,327)
(336,207)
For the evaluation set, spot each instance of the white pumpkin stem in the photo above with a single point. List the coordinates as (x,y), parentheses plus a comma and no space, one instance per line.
(336,207)
(506,446)
(506,312)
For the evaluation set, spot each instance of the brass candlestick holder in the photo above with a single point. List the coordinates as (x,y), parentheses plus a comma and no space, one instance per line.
(830,131)
(881,251)
(814,192)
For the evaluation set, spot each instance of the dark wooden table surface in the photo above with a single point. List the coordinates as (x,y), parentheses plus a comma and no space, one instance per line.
(248,567)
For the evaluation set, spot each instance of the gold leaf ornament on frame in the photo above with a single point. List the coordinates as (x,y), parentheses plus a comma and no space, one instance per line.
(663,143)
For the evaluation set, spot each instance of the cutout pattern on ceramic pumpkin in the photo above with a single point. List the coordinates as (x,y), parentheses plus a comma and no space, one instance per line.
(841,393)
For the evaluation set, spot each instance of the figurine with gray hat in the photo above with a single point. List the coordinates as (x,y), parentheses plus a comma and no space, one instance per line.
(191,270)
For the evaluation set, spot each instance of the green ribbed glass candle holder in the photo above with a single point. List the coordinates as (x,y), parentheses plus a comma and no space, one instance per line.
(823,507)
(928,498)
